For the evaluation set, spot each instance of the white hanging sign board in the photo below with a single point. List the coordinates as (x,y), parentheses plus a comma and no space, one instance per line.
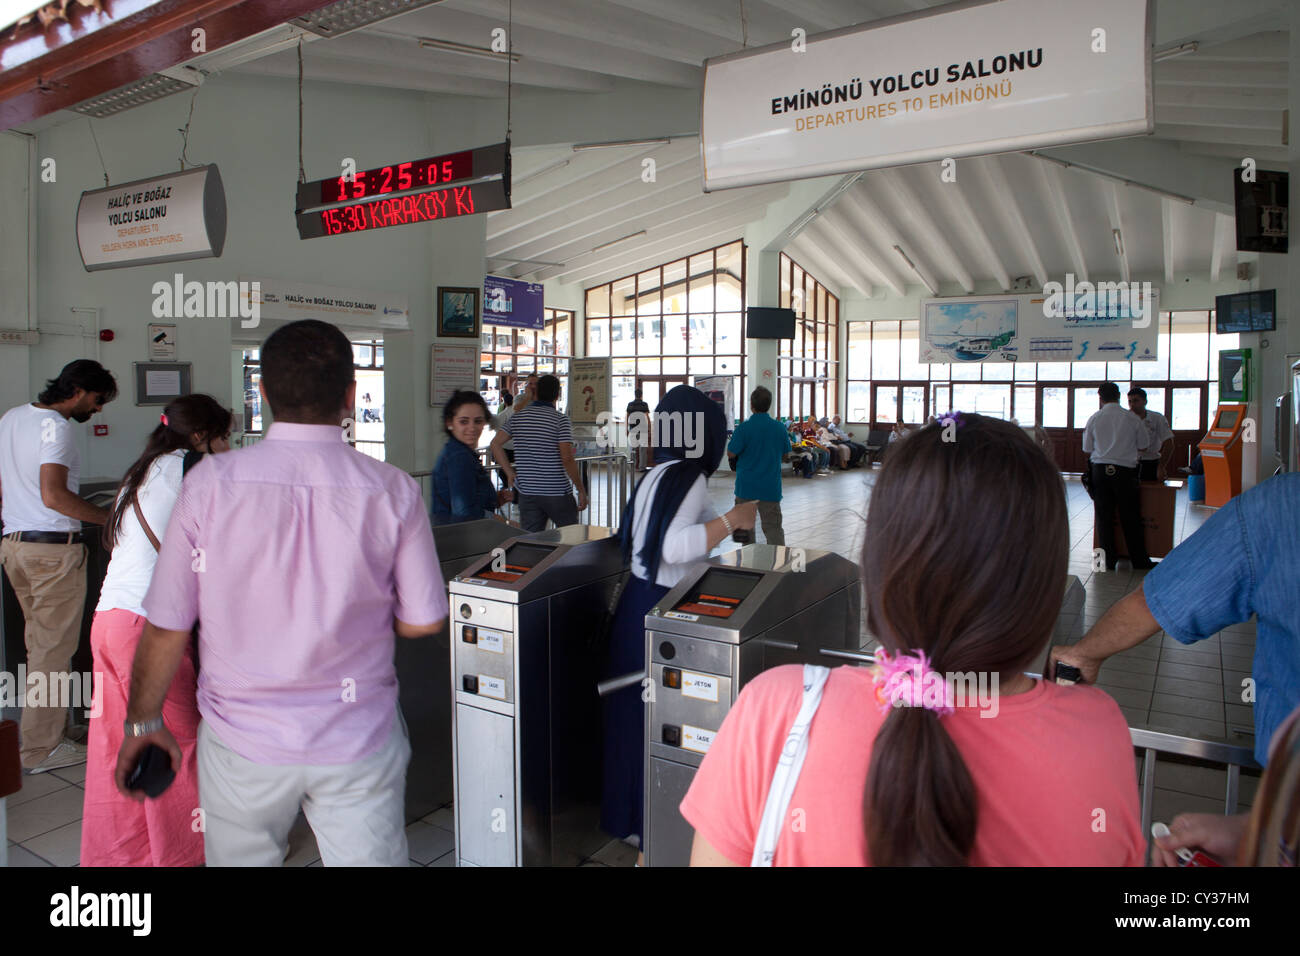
(985,77)
(163,219)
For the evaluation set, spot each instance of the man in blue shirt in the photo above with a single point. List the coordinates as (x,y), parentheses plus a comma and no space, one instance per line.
(757,448)
(1243,561)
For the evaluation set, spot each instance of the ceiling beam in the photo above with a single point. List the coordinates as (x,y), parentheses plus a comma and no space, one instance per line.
(1223,117)
(1220,134)
(1004,198)
(963,216)
(1060,207)
(697,243)
(645,252)
(1215,97)
(1116,227)
(323,68)
(1187,72)
(1272,154)
(684,217)
(852,275)
(878,235)
(816,264)
(923,223)
(841,236)
(1220,240)
(1167,237)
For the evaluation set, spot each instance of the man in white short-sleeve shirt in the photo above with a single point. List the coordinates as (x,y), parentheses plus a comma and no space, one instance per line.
(1153,464)
(1114,438)
(43,552)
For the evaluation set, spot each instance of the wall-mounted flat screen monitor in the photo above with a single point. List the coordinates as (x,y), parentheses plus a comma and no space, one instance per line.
(768,323)
(1262,209)
(1227,419)
(1246,312)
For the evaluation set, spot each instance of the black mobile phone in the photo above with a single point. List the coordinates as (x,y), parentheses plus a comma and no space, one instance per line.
(743,536)
(1067,674)
(152,773)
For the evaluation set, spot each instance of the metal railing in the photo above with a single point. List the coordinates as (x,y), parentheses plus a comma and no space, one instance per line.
(607,478)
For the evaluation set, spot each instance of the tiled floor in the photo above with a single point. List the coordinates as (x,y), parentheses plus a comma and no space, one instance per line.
(1160,684)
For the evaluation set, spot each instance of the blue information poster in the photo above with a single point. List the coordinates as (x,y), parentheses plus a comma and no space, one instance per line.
(513,303)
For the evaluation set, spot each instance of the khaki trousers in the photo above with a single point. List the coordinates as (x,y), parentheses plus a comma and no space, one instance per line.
(50,581)
(769,516)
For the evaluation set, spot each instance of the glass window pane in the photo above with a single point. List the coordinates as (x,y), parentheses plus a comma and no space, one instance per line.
(940,399)
(674,291)
(622,293)
(1088,371)
(982,399)
(1186,406)
(884,350)
(1119,371)
(622,335)
(674,366)
(702,284)
(859,396)
(910,353)
(731,270)
(859,351)
(1159,369)
(914,404)
(886,404)
(1056,407)
(598,302)
(964,371)
(1156,400)
(1024,410)
(379,356)
(700,336)
(1086,403)
(1212,395)
(727,333)
(940,372)
(1026,371)
(648,298)
(674,340)
(1190,353)
(998,371)
(598,337)
(647,366)
(1054,372)
(701,366)
(785,281)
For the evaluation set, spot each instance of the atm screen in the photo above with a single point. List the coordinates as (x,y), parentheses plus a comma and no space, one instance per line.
(719,592)
(1227,419)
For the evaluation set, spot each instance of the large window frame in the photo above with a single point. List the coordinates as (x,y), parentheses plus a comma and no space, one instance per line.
(808,365)
(681,320)
(883,360)
(509,355)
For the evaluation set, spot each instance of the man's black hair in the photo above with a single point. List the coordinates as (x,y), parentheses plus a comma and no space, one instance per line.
(306,371)
(1109,392)
(548,388)
(760,399)
(1137,391)
(86,374)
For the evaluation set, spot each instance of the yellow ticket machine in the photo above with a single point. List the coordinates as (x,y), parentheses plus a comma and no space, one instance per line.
(1221,454)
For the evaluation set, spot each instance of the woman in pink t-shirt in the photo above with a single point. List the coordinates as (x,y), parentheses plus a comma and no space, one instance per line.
(964,571)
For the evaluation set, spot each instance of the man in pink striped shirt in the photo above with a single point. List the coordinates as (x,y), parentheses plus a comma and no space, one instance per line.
(300,558)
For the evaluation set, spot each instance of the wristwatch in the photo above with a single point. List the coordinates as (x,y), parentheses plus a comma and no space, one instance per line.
(144,728)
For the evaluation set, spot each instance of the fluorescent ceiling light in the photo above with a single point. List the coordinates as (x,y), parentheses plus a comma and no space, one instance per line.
(606,245)
(622,142)
(348,15)
(277,38)
(1119,242)
(539,262)
(156,86)
(451,46)
(559,164)
(1173,51)
(1066,164)
(912,265)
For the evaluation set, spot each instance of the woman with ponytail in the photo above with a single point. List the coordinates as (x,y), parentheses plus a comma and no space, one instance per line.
(669,524)
(944,753)
(116,831)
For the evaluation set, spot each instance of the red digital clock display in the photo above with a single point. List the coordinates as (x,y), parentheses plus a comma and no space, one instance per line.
(404,210)
(405,177)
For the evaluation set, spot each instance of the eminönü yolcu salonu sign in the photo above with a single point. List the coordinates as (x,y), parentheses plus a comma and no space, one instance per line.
(984,77)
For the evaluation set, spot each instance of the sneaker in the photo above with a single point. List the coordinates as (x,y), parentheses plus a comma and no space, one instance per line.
(66,754)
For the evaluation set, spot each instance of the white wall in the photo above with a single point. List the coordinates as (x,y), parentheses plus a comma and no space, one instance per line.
(248,127)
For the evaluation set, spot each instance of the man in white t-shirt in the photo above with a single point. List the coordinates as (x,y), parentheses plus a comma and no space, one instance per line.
(1153,465)
(42,551)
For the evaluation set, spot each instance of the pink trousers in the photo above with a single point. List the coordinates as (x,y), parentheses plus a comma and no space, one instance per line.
(116,831)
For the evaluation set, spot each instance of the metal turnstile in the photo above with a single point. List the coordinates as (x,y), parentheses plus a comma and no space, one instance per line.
(422,667)
(528,638)
(732,618)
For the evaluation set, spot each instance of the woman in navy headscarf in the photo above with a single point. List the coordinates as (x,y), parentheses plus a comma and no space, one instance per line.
(669,525)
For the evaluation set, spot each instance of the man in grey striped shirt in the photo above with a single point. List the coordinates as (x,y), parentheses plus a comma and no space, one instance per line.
(544,462)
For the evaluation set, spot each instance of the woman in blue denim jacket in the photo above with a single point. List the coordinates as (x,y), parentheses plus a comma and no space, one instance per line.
(462,490)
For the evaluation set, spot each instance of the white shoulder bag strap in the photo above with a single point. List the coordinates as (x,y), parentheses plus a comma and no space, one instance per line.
(788,767)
